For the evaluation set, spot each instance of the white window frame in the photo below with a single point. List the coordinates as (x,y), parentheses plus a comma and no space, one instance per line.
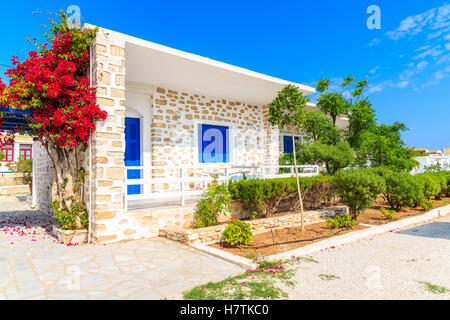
(290,135)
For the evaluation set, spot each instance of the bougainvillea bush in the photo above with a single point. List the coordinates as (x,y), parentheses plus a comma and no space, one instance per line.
(53,82)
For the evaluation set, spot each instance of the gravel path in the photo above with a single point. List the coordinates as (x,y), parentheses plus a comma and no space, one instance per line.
(386,266)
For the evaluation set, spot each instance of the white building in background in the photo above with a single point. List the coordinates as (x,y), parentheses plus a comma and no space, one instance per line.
(22,147)
(432,159)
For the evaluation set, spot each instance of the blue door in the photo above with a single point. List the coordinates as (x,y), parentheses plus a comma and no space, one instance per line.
(133,151)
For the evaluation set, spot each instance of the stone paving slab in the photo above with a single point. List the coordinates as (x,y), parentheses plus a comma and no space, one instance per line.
(34,265)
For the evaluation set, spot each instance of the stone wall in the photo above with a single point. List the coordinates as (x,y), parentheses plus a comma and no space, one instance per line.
(43,176)
(176,116)
(108,141)
(12,180)
(194,236)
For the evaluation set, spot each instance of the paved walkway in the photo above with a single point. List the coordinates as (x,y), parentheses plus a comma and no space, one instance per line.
(33,265)
(392,265)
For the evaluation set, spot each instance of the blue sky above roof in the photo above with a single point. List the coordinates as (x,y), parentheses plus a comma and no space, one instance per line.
(407,61)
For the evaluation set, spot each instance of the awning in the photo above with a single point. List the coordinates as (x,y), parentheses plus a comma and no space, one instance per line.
(14,119)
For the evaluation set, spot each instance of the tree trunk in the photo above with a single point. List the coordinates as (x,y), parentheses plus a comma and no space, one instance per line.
(66,170)
(298,185)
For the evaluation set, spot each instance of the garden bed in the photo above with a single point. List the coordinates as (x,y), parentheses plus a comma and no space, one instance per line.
(312,231)
(208,234)
(372,216)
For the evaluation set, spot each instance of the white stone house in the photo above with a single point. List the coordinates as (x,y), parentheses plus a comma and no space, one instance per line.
(160,103)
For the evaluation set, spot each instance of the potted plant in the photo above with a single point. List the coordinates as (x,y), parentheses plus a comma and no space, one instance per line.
(24,168)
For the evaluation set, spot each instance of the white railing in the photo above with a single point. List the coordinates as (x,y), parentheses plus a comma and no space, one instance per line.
(7,174)
(180,182)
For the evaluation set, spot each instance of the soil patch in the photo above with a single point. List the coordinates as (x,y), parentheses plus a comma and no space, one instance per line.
(312,231)
(373,215)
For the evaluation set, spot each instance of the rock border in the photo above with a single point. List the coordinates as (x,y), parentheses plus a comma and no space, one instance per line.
(208,234)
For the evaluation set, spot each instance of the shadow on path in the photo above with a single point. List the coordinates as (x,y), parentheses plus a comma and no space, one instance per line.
(432,230)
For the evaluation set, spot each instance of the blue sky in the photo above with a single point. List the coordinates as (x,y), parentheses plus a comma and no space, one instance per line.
(407,61)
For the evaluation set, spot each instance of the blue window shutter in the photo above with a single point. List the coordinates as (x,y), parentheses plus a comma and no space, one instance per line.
(213,144)
(287,143)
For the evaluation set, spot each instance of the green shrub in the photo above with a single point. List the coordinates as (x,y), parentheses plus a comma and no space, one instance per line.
(256,193)
(23,167)
(427,204)
(387,214)
(446,175)
(358,188)
(264,196)
(334,157)
(286,159)
(70,218)
(343,221)
(402,189)
(442,180)
(215,200)
(431,185)
(237,233)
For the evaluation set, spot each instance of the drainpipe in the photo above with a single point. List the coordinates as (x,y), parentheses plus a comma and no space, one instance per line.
(90,155)
(33,181)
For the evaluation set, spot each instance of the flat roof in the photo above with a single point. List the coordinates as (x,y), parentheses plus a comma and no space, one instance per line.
(154,64)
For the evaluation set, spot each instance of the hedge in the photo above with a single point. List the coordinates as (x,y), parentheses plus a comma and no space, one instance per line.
(266,196)
(402,189)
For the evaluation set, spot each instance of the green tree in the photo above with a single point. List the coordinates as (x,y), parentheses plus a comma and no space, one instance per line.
(287,110)
(334,157)
(383,146)
(333,104)
(361,117)
(317,126)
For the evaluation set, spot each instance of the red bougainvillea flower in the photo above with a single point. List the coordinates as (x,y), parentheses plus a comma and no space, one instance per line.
(53,83)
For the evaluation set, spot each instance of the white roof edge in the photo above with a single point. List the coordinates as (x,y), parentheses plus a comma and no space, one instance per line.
(194,57)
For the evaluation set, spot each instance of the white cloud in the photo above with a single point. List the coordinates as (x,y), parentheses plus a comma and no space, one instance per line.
(430,32)
(387,84)
(422,64)
(374,42)
(377,88)
(423,48)
(439,75)
(402,84)
(435,20)
(433,52)
(374,70)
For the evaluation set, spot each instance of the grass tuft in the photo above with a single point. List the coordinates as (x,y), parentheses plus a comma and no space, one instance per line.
(433,288)
(328,277)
